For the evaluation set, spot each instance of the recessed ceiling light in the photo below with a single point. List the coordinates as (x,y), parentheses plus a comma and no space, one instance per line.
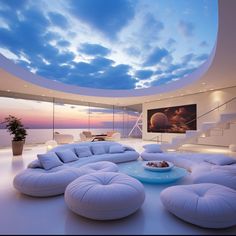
(203,83)
(8,90)
(43,95)
(211,89)
(25,85)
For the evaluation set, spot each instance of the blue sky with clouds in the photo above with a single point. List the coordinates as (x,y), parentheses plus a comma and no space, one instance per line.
(109,44)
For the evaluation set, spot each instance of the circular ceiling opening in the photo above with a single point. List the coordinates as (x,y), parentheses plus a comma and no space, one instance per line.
(109,44)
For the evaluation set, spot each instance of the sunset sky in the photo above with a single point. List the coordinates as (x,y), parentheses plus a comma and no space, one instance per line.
(36,114)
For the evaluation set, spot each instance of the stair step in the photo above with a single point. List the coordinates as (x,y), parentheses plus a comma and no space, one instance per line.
(191,133)
(206,129)
(217,129)
(224,117)
(224,126)
(207,125)
(177,140)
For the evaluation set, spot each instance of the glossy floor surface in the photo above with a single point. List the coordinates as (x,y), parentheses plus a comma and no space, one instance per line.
(20,214)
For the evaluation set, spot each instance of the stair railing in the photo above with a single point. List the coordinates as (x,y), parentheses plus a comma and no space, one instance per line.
(210,111)
(202,115)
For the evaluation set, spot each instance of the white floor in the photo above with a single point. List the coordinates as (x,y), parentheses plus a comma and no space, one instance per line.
(20,214)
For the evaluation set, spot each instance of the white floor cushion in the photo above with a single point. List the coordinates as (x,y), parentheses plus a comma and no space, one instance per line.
(205,205)
(105,195)
(106,166)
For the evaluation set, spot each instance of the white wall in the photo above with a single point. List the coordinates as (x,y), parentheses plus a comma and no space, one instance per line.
(205,102)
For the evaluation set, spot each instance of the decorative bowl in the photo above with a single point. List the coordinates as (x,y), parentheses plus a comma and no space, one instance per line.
(152,168)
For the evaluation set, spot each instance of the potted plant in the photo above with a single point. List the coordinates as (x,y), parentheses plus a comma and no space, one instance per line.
(16,128)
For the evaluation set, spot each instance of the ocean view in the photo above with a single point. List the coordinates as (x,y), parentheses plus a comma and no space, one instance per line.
(37,136)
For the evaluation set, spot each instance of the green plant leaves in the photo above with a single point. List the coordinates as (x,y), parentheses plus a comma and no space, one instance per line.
(15,127)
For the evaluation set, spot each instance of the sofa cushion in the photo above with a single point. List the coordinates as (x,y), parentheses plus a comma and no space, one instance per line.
(49,160)
(98,149)
(219,160)
(35,164)
(218,175)
(67,155)
(116,149)
(128,155)
(152,148)
(83,151)
(128,148)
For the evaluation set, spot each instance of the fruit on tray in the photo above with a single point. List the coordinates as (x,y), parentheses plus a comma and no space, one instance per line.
(158,164)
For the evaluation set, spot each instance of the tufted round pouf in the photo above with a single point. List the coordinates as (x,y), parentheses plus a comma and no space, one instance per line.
(106,166)
(223,175)
(206,205)
(105,195)
(44,183)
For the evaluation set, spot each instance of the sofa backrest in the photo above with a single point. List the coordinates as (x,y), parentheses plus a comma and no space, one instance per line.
(72,146)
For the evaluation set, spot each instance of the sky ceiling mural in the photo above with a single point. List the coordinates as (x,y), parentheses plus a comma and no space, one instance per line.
(109,44)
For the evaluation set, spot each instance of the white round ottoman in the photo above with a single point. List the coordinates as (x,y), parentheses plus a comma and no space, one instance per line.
(106,166)
(104,195)
(205,205)
(44,183)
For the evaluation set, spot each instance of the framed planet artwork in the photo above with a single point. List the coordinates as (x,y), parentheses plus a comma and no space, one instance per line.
(176,119)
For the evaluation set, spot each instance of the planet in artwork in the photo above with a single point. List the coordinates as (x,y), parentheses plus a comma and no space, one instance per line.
(159,121)
(176,119)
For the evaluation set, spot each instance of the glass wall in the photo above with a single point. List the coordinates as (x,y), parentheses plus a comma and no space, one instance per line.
(101,119)
(70,119)
(43,118)
(37,117)
(119,120)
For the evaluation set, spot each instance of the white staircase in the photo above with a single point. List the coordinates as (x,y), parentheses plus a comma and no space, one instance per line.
(224,121)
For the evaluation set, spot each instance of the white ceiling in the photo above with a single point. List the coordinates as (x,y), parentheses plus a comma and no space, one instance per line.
(218,72)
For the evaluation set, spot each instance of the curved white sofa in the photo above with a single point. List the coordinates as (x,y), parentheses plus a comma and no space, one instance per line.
(223,175)
(204,167)
(191,161)
(44,183)
(63,138)
(41,182)
(113,136)
(129,153)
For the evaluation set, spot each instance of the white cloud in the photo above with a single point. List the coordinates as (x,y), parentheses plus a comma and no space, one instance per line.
(10,55)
